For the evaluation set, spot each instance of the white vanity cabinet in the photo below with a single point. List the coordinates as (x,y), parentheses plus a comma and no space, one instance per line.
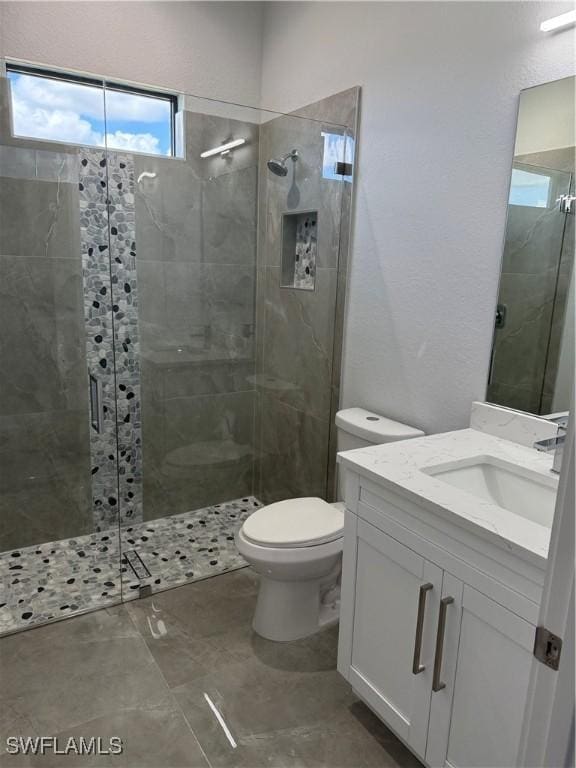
(435,637)
(389,580)
(476,719)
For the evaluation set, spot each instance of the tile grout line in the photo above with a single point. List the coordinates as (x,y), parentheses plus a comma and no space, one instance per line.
(168,688)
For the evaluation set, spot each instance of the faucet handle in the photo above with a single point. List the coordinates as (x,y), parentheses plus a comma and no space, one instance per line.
(558,418)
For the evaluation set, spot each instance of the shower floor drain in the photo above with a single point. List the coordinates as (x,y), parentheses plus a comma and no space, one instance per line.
(135,562)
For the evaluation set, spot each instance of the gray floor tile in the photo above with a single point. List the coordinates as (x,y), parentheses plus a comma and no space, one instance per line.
(206,627)
(151,738)
(184,681)
(258,706)
(65,674)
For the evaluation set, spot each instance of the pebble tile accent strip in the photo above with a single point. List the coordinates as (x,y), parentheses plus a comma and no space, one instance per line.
(58,579)
(122,215)
(108,244)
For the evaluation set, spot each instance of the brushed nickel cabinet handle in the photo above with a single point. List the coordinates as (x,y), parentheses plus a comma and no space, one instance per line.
(437,684)
(416,666)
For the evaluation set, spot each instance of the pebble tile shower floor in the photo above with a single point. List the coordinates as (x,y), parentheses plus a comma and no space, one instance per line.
(50,581)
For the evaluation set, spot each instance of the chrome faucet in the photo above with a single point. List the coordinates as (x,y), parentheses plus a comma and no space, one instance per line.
(555,443)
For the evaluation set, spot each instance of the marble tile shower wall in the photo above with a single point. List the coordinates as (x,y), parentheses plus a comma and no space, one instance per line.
(561,306)
(196,258)
(44,446)
(188,234)
(194,227)
(537,264)
(563,160)
(299,332)
(213,402)
(62,479)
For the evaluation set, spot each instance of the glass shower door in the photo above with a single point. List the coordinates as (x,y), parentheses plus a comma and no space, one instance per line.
(59,550)
(183,260)
(225,282)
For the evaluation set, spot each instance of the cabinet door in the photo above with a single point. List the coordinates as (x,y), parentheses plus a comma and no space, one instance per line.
(477,719)
(394,588)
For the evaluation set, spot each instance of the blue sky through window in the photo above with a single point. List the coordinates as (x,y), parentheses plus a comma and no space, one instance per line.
(529,189)
(79,113)
(337,148)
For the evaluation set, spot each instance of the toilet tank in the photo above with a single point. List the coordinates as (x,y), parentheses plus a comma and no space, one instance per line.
(358,428)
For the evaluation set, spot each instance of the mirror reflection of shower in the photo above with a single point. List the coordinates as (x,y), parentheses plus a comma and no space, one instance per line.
(278,164)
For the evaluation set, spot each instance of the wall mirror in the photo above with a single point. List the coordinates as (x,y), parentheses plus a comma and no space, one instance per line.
(532,364)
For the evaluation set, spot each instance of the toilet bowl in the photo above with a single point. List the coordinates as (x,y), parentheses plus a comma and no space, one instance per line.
(295,545)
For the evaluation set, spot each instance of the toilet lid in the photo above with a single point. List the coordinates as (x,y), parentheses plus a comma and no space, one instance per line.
(300,522)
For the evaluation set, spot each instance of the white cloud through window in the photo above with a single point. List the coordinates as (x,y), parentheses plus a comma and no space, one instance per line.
(73,112)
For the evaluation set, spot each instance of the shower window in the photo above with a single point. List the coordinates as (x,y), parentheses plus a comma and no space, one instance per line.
(68,108)
(530,188)
(337,156)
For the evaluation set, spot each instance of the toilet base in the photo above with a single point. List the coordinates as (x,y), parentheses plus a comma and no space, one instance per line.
(291,610)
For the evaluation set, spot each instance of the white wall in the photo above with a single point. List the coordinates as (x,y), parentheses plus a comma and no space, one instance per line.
(440,93)
(210,49)
(546,118)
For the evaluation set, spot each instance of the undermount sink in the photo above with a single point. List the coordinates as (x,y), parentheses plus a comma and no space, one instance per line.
(519,490)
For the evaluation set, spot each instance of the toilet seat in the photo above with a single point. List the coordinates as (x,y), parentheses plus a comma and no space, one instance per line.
(303,522)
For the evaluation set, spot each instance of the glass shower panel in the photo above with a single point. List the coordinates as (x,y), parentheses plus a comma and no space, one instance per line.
(298,290)
(560,359)
(59,551)
(187,228)
(199,291)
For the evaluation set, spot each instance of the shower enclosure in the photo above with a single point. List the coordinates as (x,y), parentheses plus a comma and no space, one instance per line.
(171,339)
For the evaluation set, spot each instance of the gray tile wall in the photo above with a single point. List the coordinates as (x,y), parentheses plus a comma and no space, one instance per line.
(44,451)
(231,404)
(299,332)
(561,307)
(536,267)
(196,259)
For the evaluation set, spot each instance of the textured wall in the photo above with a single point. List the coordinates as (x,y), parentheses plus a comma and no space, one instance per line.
(440,85)
(212,49)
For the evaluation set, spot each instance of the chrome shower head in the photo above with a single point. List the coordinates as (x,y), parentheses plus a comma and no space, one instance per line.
(278,165)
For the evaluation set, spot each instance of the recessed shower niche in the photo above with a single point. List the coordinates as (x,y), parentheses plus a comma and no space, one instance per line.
(299,249)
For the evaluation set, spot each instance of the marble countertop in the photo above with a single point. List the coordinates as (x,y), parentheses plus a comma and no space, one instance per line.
(401,467)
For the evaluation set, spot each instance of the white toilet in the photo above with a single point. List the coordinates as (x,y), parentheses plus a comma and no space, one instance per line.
(296,545)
